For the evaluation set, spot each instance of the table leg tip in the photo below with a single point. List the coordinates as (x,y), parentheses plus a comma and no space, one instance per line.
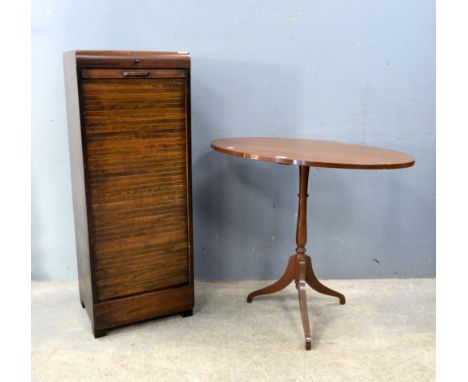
(308,345)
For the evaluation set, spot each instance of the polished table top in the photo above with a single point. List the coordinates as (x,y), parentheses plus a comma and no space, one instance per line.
(316,153)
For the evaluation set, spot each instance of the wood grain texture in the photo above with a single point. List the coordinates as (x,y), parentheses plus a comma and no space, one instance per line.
(132,59)
(111,314)
(135,134)
(135,179)
(299,268)
(306,153)
(316,153)
(133,73)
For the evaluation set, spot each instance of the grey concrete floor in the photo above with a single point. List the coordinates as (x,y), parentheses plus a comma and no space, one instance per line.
(385,332)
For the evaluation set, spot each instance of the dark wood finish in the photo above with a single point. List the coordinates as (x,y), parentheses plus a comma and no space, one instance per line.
(299,267)
(114,313)
(315,284)
(290,274)
(133,73)
(85,274)
(130,149)
(301,240)
(187,313)
(132,59)
(315,153)
(136,144)
(307,153)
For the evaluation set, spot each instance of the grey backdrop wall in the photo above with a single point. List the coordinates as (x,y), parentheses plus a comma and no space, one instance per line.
(355,71)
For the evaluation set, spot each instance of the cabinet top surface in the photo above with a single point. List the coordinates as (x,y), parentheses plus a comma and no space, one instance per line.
(316,153)
(126,53)
(131,58)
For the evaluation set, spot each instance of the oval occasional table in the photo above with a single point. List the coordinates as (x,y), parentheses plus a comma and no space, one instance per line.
(306,153)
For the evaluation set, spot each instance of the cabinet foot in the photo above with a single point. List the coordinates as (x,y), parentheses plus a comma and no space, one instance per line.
(99,333)
(187,313)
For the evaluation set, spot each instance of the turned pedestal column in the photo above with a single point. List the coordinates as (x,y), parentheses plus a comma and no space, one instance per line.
(299,266)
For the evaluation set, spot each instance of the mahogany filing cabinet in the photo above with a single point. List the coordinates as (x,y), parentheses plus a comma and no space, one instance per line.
(129,138)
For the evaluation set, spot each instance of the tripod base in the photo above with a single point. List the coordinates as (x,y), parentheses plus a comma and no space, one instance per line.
(300,271)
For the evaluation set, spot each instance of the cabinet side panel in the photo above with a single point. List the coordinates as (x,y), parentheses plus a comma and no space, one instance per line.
(78,182)
(189,172)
